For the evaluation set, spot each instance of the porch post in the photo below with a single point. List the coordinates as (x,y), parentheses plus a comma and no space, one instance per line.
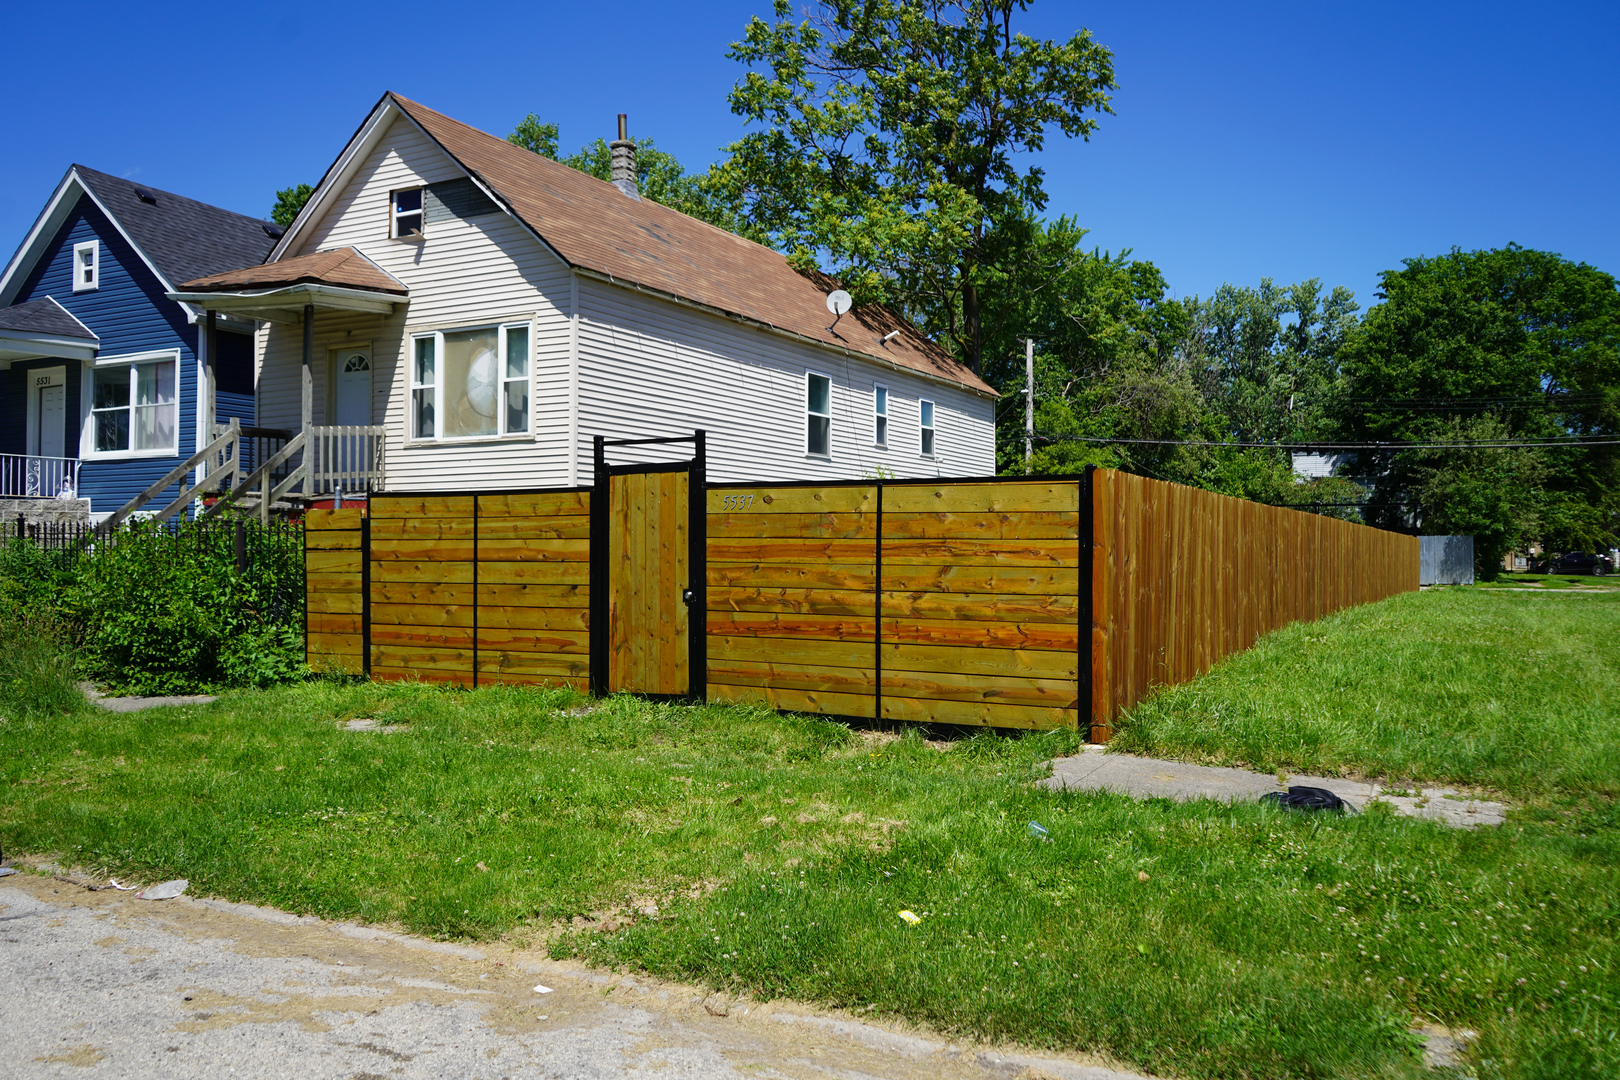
(308,407)
(207,380)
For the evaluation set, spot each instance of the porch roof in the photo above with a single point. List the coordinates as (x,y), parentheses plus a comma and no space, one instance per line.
(342,279)
(44,328)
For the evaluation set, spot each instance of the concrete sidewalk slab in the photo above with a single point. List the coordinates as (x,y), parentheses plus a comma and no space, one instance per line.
(1156,778)
(136,704)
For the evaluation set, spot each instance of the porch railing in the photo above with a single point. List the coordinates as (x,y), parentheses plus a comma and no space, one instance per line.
(31,476)
(347,457)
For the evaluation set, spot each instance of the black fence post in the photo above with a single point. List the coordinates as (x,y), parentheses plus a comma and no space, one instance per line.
(600,487)
(241,547)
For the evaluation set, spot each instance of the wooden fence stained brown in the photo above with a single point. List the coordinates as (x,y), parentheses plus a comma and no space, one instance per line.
(1183,578)
(948,601)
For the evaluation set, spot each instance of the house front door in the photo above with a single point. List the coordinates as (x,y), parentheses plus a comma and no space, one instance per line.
(351,387)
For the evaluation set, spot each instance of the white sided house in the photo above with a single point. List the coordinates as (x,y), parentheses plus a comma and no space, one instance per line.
(451,311)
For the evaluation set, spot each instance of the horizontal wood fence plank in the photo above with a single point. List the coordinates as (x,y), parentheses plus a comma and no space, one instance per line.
(333,562)
(544,504)
(421,637)
(790,551)
(854,577)
(991,635)
(414,592)
(516,550)
(538,664)
(1005,525)
(423,573)
(1003,689)
(435,659)
(517,528)
(348,518)
(1034,581)
(796,500)
(535,596)
(810,701)
(799,601)
(793,676)
(334,540)
(977,552)
(919,710)
(436,550)
(387,505)
(458,615)
(329,582)
(827,526)
(1016,663)
(319,622)
(557,642)
(421,529)
(582,683)
(390,673)
(773,624)
(998,607)
(336,644)
(1020,496)
(534,573)
(534,618)
(856,654)
(348,602)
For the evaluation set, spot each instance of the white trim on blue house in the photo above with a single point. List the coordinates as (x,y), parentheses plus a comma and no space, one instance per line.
(87,437)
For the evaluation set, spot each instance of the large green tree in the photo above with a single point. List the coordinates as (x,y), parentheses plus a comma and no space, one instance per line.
(1507,345)
(891,141)
(659,175)
(289,201)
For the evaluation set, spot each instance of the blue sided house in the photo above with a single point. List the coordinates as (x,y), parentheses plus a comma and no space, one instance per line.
(99,370)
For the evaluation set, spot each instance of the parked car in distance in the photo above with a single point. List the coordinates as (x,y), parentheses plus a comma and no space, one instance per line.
(1577,562)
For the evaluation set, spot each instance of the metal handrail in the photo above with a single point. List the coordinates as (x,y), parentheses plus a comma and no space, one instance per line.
(38,476)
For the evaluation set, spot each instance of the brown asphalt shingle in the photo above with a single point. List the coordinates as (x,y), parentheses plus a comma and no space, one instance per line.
(343,267)
(593,225)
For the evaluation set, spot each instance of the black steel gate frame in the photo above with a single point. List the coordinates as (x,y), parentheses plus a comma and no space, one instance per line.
(696,594)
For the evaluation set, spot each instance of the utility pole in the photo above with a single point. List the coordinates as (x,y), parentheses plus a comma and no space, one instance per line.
(1029,403)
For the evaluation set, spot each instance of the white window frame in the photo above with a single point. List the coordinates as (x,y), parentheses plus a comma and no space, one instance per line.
(394,214)
(87,413)
(819,455)
(927,428)
(880,415)
(94,248)
(502,383)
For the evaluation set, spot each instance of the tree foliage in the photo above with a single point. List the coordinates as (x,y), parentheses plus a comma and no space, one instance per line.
(1508,344)
(887,142)
(289,201)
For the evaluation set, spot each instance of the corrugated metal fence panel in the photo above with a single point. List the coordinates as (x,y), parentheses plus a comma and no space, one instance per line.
(334,600)
(1445,560)
(1182,578)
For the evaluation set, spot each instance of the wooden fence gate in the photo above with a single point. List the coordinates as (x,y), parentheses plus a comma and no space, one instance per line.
(651,614)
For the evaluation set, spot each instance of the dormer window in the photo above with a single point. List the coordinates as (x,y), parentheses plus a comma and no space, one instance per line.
(407,213)
(87,266)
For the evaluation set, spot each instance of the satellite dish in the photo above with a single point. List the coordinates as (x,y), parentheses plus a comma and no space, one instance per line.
(838,302)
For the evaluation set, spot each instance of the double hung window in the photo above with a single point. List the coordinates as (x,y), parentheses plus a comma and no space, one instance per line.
(405,213)
(470,384)
(880,415)
(927,428)
(818,415)
(133,407)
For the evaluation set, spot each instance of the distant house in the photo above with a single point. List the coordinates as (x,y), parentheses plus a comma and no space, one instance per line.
(451,311)
(1315,466)
(99,369)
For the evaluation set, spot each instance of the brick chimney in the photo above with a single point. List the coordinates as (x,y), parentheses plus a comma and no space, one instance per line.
(624,162)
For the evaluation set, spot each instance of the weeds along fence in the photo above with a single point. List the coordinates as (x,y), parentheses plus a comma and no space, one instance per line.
(1005,602)
(246,542)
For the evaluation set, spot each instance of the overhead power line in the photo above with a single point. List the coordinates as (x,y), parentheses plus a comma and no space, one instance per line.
(1488,444)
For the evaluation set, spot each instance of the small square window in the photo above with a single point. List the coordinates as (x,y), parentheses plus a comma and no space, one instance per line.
(818,414)
(880,415)
(927,428)
(406,212)
(87,266)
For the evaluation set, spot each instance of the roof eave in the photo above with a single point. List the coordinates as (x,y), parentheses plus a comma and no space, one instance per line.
(22,345)
(286,299)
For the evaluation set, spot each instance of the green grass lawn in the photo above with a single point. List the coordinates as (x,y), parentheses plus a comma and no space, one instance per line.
(779,850)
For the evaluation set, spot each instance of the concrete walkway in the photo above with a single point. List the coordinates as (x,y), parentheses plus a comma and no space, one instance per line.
(136,704)
(101,984)
(1148,778)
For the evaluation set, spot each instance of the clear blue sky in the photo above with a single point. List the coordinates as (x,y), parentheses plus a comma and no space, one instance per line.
(1263,139)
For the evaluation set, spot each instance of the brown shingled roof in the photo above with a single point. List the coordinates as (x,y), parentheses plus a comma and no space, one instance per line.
(344,267)
(594,226)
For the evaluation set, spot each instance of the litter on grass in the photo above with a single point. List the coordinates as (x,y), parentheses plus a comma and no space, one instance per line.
(166,891)
(1305,799)
(7,871)
(542,989)
(113,882)
(910,917)
(1039,831)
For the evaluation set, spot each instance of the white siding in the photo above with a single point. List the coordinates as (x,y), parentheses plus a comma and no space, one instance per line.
(650,367)
(466,273)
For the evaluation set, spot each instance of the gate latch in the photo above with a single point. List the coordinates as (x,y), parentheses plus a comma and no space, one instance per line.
(687,596)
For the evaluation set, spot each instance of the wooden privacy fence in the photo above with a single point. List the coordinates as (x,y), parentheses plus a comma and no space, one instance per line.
(1006,602)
